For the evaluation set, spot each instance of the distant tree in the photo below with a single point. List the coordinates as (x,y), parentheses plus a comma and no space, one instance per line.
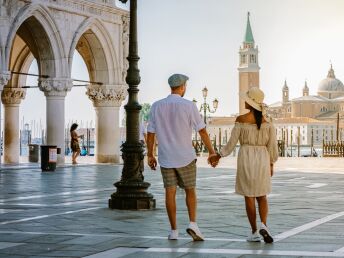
(144,114)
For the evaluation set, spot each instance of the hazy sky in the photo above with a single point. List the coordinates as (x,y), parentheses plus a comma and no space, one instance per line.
(201,38)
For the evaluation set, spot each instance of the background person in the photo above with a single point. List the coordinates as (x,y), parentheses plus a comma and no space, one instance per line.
(74,143)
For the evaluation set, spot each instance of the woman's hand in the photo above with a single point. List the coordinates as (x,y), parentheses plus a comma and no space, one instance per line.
(213,159)
(271,169)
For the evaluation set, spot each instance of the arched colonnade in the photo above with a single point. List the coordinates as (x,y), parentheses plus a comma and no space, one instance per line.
(50,32)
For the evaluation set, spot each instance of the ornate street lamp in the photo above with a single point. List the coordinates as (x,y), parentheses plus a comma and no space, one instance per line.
(131,191)
(205,92)
(205,106)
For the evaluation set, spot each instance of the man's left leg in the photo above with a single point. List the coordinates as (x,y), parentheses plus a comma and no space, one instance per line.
(187,180)
(191,203)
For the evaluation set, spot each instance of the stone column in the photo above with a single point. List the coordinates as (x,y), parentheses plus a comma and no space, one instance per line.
(11,98)
(5,76)
(55,91)
(107,100)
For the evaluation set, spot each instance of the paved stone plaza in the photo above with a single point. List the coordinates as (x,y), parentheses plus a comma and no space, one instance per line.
(64,214)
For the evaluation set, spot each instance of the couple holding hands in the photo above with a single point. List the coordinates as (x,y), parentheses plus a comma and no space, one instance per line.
(172,121)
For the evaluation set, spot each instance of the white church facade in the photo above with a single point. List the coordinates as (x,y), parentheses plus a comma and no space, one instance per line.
(324,106)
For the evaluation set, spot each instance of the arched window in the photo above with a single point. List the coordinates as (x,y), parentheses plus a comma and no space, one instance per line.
(243,59)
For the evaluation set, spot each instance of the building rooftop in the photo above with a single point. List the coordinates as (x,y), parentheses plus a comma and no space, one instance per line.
(300,120)
(311,98)
(276,104)
(328,115)
(224,120)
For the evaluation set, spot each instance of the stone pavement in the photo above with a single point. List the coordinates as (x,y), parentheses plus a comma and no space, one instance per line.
(64,214)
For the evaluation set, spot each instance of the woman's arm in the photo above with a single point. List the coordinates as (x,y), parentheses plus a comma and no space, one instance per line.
(272,145)
(227,149)
(233,140)
(74,135)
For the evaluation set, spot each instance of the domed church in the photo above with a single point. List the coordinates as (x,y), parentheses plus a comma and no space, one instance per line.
(324,106)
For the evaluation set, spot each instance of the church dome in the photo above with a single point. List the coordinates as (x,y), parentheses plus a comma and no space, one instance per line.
(331,83)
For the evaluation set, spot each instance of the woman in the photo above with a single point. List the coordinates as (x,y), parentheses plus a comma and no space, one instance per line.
(258,152)
(74,143)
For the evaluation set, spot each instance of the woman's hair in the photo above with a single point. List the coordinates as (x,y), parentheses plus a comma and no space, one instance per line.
(73,127)
(258,116)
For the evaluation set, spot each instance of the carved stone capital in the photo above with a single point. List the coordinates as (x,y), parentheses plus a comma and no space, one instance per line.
(4,78)
(107,95)
(12,96)
(55,87)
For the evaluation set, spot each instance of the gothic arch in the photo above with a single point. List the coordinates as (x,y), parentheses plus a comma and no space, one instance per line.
(21,62)
(93,42)
(37,28)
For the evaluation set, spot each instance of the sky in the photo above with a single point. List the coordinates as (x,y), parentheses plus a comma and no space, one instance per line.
(297,40)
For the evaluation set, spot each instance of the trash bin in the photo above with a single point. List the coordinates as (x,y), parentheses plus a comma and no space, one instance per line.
(48,157)
(33,152)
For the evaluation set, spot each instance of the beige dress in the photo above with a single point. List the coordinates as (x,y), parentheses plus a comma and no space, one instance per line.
(258,148)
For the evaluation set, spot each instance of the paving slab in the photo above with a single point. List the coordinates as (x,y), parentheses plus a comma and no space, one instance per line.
(65,214)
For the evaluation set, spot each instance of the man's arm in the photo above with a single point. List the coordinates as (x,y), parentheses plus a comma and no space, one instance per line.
(150,144)
(145,137)
(206,140)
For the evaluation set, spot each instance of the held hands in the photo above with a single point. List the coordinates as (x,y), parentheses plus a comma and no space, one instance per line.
(152,162)
(213,159)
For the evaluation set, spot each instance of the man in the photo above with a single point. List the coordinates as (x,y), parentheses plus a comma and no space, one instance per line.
(143,133)
(173,120)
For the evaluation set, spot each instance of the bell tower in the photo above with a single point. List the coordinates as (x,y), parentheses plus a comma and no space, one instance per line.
(248,65)
(305,90)
(285,93)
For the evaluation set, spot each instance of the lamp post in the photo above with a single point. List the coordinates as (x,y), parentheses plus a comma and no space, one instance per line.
(131,191)
(205,106)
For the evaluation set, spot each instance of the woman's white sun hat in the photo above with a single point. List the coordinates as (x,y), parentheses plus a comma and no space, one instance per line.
(255,97)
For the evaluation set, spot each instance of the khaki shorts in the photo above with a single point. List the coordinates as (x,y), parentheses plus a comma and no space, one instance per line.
(184,177)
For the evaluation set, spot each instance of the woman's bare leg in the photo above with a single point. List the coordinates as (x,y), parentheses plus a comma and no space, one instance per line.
(263,207)
(76,155)
(250,203)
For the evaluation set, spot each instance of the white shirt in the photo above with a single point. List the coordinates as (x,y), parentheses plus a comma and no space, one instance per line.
(143,131)
(173,119)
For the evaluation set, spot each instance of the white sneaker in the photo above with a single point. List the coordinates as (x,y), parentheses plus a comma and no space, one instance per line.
(254,237)
(173,235)
(194,232)
(265,233)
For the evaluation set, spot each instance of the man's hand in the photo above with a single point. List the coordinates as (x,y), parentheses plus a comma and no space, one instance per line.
(213,159)
(152,162)
(150,144)
(271,169)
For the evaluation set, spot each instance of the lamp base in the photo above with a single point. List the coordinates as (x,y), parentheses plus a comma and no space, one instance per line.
(132,195)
